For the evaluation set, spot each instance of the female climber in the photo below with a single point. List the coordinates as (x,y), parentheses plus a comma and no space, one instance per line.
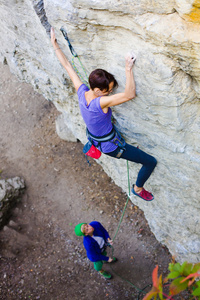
(95,103)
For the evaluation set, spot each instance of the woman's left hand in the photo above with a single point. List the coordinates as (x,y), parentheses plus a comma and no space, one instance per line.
(110,241)
(130,59)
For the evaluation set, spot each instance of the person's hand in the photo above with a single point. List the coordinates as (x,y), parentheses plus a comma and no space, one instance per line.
(110,260)
(130,59)
(53,37)
(110,241)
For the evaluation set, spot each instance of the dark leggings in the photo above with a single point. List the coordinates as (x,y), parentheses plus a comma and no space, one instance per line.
(138,156)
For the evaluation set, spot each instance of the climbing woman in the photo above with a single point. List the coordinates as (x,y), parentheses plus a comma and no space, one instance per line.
(95,103)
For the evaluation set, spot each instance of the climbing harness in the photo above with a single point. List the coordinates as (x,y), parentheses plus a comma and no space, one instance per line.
(75,55)
(113,136)
(104,138)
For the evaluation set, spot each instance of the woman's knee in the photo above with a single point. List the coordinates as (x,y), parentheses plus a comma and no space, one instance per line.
(153,162)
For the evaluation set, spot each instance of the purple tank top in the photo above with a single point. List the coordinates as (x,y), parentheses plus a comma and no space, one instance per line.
(97,122)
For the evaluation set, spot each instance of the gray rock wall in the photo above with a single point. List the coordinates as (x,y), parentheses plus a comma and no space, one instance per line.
(10,190)
(164,117)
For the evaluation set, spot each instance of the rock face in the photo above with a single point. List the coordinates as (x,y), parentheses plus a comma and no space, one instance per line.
(9,193)
(164,117)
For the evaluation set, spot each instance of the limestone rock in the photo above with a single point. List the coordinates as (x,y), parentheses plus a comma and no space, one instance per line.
(189,10)
(10,190)
(164,118)
(63,130)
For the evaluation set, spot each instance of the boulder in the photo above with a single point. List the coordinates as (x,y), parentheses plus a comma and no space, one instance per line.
(10,191)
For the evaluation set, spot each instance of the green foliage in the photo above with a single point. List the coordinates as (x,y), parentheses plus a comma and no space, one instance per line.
(178,286)
(196,292)
(184,277)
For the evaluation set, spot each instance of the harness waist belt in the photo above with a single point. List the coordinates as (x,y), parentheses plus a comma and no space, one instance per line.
(104,138)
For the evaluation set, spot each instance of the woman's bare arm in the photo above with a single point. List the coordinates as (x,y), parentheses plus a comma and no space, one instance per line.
(65,63)
(129,92)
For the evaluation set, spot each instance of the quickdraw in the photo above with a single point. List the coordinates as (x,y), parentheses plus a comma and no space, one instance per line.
(75,55)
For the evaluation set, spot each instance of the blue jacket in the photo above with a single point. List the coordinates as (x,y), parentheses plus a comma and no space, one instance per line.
(92,247)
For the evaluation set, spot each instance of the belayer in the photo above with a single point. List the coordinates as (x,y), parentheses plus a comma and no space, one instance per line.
(95,103)
(95,240)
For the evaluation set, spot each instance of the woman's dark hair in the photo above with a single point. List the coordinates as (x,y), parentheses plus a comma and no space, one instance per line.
(101,79)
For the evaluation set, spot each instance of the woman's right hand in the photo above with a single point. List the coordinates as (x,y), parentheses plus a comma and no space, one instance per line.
(64,61)
(130,59)
(110,260)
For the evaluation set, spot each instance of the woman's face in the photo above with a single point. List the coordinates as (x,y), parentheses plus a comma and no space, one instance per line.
(106,93)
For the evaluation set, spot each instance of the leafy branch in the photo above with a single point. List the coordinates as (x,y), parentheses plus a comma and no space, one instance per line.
(184,277)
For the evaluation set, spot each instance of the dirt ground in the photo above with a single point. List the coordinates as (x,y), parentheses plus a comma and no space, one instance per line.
(40,256)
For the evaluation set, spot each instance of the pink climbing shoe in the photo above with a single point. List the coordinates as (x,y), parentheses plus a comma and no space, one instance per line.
(145,195)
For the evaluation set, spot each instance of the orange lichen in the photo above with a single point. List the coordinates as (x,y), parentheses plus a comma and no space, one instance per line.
(194,15)
(196,3)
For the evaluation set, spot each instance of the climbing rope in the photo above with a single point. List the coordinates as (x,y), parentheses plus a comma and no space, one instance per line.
(129,191)
(75,55)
